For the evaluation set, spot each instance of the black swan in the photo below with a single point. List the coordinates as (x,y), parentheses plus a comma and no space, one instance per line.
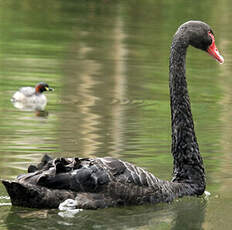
(105,182)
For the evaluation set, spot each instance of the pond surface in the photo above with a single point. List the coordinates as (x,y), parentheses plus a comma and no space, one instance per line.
(108,63)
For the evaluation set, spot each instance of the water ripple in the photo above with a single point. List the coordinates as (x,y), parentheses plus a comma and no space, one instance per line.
(2,199)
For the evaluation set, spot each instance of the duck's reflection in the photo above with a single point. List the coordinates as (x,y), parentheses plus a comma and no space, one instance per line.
(37,109)
(28,106)
(41,113)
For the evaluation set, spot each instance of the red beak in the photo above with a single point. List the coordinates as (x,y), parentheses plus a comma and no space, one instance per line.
(213,51)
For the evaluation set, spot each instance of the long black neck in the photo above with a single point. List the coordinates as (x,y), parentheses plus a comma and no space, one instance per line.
(188,164)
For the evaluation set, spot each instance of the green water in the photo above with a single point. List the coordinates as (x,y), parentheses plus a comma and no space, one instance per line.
(108,63)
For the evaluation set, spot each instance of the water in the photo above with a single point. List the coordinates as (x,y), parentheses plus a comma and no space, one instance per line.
(108,63)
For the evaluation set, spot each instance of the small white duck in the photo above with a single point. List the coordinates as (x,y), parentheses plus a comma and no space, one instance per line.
(29,98)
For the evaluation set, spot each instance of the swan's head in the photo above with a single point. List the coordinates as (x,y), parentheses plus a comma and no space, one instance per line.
(41,87)
(201,36)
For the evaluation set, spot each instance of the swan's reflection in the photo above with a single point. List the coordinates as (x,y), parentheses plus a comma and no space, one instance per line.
(187,213)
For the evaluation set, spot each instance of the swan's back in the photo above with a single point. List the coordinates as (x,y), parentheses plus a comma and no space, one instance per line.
(94,183)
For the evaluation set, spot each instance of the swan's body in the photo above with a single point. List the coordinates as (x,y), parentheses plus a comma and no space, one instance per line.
(105,182)
(31,98)
(94,183)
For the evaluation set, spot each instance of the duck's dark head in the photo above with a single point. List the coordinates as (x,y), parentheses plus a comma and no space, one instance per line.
(41,87)
(200,35)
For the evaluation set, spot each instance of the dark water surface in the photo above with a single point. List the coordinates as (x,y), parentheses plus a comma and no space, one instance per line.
(108,63)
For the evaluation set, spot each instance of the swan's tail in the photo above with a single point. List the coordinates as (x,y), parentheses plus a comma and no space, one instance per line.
(29,195)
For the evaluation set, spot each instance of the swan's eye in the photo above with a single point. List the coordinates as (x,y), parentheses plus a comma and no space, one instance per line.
(212,39)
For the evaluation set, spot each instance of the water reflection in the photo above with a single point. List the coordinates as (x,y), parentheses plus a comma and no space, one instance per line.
(120,78)
(28,107)
(176,216)
(39,111)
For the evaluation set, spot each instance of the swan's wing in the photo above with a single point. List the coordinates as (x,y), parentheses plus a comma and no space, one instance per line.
(127,173)
(88,175)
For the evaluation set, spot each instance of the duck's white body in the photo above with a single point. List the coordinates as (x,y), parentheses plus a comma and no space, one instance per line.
(26,98)
(28,95)
(30,98)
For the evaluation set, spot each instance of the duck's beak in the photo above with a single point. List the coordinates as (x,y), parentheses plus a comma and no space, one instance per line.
(49,89)
(213,51)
